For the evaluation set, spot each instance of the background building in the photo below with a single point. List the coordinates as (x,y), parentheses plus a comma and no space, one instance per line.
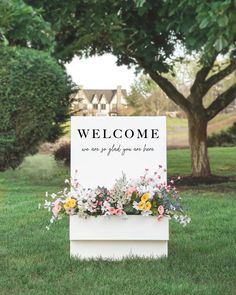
(99,102)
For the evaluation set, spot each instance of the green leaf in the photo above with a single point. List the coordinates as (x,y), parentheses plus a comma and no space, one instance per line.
(223,21)
(204,23)
(220,43)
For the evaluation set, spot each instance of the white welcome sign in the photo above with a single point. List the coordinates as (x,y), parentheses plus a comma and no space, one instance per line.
(104,147)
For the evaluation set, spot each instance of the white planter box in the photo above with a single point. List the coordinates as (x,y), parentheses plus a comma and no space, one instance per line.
(115,237)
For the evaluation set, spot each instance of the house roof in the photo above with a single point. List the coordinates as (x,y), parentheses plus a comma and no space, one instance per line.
(108,93)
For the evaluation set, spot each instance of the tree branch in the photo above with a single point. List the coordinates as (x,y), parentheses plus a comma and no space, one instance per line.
(170,90)
(197,88)
(220,75)
(221,102)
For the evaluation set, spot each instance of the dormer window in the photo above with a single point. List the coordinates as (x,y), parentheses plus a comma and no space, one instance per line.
(103,106)
(95,106)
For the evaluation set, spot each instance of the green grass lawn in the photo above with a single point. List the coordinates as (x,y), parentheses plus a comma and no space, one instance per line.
(202,256)
(222,161)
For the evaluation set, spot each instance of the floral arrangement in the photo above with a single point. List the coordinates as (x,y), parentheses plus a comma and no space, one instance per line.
(145,195)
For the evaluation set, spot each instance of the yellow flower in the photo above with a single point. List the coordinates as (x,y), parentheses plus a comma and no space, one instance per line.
(66,206)
(145,197)
(70,203)
(148,206)
(141,205)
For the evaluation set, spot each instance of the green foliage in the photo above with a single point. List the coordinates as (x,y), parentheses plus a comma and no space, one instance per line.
(34,99)
(22,25)
(223,138)
(207,26)
(141,29)
(62,154)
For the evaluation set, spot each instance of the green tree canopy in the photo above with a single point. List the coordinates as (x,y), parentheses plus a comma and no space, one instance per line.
(153,34)
(34,99)
(22,25)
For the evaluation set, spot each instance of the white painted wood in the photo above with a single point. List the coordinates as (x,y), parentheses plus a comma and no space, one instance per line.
(117,250)
(132,227)
(100,161)
(115,237)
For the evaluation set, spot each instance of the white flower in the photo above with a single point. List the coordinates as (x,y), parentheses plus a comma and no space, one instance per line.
(46,194)
(47,204)
(39,206)
(135,205)
(119,205)
(82,214)
(70,194)
(53,196)
(70,211)
(47,227)
(175,217)
(146,213)
(172,207)
(52,219)
(142,189)
(106,204)
(67,181)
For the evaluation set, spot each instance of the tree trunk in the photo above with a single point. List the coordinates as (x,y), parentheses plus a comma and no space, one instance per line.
(197,124)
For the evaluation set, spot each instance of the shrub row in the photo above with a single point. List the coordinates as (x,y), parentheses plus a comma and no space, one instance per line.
(223,138)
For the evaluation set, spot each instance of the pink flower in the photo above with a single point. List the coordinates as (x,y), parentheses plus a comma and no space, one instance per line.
(57,208)
(161,210)
(119,212)
(131,190)
(112,211)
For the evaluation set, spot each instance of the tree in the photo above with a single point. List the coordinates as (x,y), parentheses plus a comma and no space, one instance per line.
(24,26)
(146,33)
(34,99)
(34,88)
(146,98)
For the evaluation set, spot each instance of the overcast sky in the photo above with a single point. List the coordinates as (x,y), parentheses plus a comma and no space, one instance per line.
(100,73)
